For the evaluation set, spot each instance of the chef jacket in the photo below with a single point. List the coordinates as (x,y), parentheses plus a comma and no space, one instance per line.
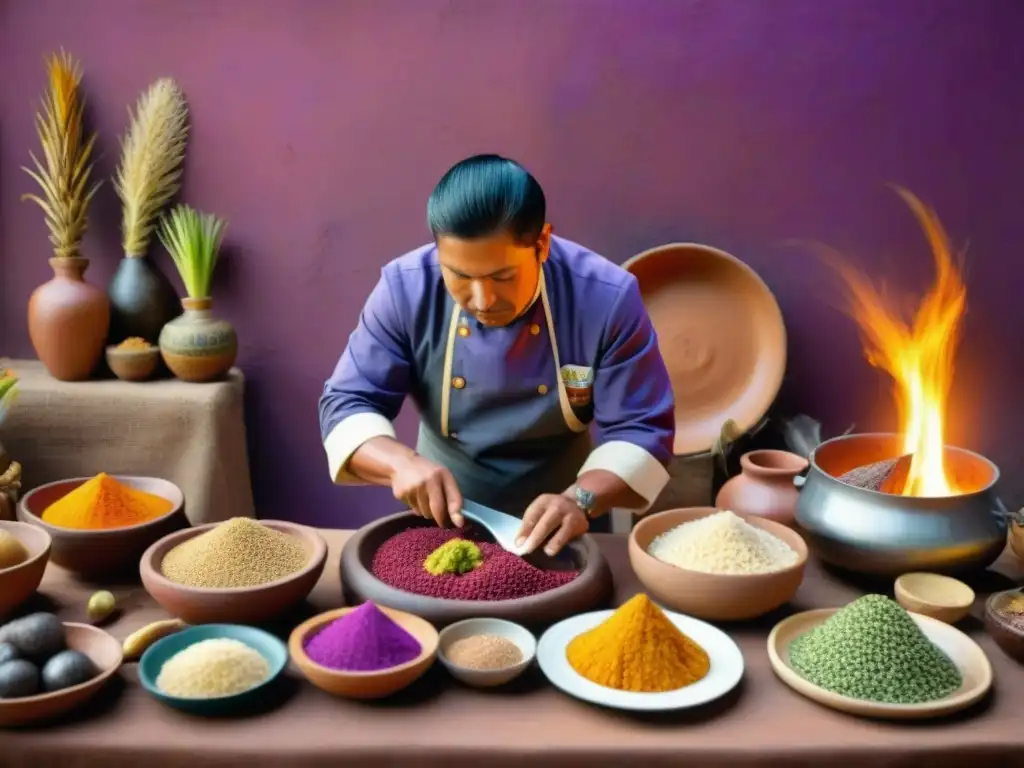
(509,410)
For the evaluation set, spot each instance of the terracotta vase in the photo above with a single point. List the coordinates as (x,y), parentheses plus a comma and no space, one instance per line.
(142,300)
(764,486)
(196,346)
(68,321)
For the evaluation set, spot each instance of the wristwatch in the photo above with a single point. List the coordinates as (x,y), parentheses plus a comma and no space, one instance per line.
(585,501)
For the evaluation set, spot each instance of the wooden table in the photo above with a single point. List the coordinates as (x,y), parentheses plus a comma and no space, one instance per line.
(438,722)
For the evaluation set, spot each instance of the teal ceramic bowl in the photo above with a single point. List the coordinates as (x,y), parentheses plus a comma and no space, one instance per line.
(270,647)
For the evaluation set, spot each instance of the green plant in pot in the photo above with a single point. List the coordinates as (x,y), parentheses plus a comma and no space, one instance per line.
(152,154)
(196,346)
(68,318)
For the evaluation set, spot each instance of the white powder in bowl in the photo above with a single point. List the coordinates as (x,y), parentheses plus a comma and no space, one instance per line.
(722,543)
(213,668)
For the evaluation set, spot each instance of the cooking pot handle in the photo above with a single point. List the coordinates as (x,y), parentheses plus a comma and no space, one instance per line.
(1013,517)
(799,481)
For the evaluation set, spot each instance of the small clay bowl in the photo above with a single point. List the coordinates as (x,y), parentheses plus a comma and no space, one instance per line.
(487,678)
(95,554)
(133,364)
(589,590)
(233,605)
(709,596)
(930,594)
(19,582)
(364,685)
(1016,536)
(104,651)
(264,643)
(1007,636)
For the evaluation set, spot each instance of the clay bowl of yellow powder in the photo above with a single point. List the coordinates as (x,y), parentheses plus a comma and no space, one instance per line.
(24,552)
(241,571)
(715,564)
(101,525)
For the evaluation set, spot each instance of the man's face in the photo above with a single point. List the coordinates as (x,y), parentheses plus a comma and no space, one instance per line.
(493,278)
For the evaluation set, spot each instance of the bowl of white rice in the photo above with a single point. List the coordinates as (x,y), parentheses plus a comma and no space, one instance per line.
(716,564)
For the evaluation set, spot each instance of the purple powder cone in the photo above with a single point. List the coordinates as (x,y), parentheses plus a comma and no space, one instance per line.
(362,641)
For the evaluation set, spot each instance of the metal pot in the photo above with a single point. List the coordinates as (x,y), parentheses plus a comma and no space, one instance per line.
(881,534)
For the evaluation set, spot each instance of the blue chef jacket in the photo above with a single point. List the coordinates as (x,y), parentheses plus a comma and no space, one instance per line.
(509,410)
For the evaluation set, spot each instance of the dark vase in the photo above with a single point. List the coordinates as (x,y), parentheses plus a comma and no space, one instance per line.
(142,301)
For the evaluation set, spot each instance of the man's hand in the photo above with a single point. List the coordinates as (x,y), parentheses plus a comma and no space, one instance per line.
(429,489)
(549,514)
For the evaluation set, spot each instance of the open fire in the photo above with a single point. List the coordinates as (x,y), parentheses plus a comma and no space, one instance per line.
(918,353)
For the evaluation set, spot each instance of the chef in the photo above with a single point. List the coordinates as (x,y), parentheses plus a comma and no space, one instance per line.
(512,344)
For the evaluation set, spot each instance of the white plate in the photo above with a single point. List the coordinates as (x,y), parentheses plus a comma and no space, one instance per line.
(725,673)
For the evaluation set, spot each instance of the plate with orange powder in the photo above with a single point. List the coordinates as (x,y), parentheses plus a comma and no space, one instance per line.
(640,657)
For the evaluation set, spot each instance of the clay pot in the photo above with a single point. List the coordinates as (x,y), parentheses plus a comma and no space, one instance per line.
(764,486)
(142,301)
(197,346)
(68,320)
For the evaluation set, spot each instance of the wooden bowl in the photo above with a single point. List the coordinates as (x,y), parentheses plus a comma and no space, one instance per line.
(714,597)
(590,589)
(364,685)
(1008,637)
(133,364)
(104,651)
(968,656)
(19,582)
(158,654)
(930,594)
(233,605)
(722,335)
(101,553)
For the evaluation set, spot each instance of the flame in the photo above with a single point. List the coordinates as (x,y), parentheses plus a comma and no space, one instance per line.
(919,355)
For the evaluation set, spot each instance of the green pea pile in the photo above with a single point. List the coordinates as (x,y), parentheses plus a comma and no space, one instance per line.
(872,650)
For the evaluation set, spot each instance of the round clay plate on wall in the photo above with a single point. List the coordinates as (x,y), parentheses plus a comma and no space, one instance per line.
(721,333)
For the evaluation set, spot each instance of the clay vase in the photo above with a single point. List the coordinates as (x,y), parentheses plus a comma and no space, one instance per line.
(764,486)
(68,320)
(196,346)
(142,301)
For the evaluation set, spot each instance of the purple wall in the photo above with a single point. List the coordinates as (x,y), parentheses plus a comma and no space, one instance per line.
(320,127)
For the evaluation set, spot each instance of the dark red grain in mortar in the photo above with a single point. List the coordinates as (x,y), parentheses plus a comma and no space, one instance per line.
(502,576)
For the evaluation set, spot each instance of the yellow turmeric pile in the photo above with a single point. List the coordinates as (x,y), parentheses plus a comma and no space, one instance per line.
(638,649)
(102,503)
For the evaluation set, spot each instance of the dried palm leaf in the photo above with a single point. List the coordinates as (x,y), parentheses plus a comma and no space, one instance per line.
(64,176)
(152,153)
(193,239)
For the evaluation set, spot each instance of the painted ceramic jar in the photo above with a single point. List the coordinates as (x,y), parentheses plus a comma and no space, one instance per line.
(197,346)
(68,321)
(764,486)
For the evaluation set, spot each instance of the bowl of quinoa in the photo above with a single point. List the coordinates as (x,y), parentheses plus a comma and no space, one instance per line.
(386,562)
(240,571)
(715,564)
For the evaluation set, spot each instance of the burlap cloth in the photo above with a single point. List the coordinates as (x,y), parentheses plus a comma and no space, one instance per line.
(190,434)
(438,722)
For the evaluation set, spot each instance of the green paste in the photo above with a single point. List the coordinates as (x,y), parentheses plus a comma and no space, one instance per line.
(872,650)
(456,556)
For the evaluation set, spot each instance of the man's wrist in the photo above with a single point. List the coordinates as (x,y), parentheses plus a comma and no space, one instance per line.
(586,501)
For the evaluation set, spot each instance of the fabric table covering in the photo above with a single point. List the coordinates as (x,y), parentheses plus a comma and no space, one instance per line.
(190,434)
(438,722)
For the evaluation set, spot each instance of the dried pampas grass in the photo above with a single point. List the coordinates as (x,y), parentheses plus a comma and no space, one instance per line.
(64,178)
(152,153)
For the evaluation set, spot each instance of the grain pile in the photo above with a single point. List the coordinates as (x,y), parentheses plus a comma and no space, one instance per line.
(237,553)
(873,650)
(484,652)
(722,543)
(213,668)
(501,576)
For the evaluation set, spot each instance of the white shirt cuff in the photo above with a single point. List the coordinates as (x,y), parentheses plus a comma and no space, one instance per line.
(636,467)
(346,438)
